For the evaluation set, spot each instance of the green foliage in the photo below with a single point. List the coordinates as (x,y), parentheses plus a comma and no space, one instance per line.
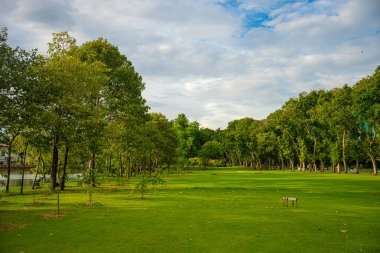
(161,141)
(16,93)
(195,161)
(190,137)
(366,109)
(148,178)
(89,98)
(212,150)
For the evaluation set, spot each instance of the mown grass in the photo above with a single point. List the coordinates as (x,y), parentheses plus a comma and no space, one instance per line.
(219,210)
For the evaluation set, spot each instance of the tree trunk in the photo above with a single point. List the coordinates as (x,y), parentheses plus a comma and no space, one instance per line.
(38,169)
(357,167)
(373,164)
(54,165)
(314,156)
(322,166)
(58,201)
(93,179)
(344,152)
(120,166)
(23,169)
(10,161)
(9,166)
(64,168)
(130,165)
(259,161)
(282,165)
(43,168)
(291,164)
(338,168)
(345,166)
(252,160)
(110,164)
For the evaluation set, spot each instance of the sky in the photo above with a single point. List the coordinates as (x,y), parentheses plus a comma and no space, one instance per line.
(216,60)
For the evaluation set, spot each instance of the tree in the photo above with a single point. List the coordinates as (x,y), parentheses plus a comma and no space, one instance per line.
(146,179)
(292,120)
(73,89)
(122,105)
(284,137)
(366,109)
(341,119)
(15,82)
(189,137)
(211,150)
(162,139)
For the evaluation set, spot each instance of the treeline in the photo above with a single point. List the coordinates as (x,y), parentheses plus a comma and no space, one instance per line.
(337,129)
(81,108)
(334,129)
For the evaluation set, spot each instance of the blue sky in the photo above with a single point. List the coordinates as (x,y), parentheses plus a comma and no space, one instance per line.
(252,18)
(216,60)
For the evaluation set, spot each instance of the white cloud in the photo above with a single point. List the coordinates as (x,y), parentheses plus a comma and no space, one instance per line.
(197,58)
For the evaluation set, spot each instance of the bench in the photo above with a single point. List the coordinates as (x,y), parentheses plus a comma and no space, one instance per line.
(285,200)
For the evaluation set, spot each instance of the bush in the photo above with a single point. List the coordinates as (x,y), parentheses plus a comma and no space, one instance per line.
(195,161)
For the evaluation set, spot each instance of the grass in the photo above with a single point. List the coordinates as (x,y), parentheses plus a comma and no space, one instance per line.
(220,210)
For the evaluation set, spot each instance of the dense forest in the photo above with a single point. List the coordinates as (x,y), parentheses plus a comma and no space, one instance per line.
(80,107)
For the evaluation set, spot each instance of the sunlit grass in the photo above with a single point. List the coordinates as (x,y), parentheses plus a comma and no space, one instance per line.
(220,210)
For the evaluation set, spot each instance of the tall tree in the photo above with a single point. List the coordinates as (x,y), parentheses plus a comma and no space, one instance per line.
(162,141)
(123,106)
(366,108)
(15,78)
(188,135)
(73,88)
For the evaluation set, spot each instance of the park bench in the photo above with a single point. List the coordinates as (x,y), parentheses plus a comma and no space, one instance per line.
(285,201)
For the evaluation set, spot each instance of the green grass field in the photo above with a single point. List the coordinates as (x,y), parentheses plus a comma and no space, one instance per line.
(220,210)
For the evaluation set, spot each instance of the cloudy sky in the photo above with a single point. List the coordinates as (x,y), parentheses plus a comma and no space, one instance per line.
(216,60)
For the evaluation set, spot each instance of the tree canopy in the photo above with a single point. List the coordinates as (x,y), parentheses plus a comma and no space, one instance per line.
(86,100)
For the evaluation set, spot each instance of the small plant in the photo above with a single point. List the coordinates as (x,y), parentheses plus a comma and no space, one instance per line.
(90,190)
(90,180)
(147,178)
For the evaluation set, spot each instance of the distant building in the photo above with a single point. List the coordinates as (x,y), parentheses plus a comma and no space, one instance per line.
(4,156)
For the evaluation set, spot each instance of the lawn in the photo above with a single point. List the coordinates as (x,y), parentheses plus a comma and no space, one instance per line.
(219,210)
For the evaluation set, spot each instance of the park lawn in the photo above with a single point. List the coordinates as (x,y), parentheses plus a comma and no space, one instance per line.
(219,210)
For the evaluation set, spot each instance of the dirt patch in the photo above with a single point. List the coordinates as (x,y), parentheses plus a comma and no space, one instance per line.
(53,215)
(35,204)
(6,227)
(89,204)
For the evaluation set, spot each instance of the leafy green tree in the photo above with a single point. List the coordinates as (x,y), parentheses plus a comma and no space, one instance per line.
(284,137)
(189,138)
(211,150)
(124,107)
(292,120)
(162,141)
(148,178)
(235,142)
(366,108)
(16,78)
(73,89)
